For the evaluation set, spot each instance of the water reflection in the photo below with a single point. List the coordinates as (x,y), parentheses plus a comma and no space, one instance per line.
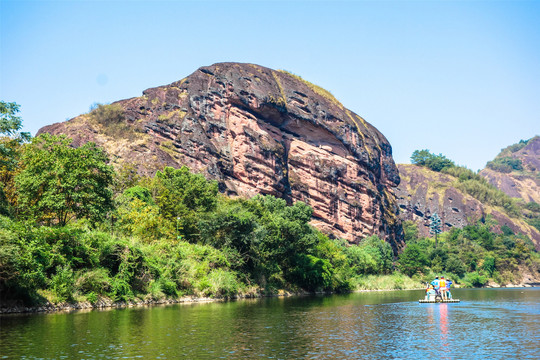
(488,324)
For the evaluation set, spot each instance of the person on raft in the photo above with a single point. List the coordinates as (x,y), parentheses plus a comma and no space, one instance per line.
(436,285)
(447,293)
(430,293)
(442,287)
(439,287)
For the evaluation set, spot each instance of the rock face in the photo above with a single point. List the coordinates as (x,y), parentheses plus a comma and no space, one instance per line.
(524,183)
(423,192)
(257,130)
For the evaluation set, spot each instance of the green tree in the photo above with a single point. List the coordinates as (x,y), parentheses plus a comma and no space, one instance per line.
(431,161)
(10,123)
(59,183)
(371,256)
(412,260)
(410,230)
(284,234)
(456,266)
(489,265)
(183,196)
(435,226)
(11,140)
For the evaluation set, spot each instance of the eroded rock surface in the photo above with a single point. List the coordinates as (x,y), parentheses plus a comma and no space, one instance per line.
(524,184)
(257,130)
(423,192)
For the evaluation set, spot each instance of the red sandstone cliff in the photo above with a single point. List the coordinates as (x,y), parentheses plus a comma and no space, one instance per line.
(257,130)
(525,182)
(423,192)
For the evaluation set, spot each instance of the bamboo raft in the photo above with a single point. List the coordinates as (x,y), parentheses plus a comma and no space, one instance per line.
(422,301)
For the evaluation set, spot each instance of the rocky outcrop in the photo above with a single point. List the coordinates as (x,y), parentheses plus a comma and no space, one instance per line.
(423,192)
(257,130)
(523,183)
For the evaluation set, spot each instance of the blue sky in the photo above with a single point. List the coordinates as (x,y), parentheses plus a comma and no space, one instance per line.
(457,78)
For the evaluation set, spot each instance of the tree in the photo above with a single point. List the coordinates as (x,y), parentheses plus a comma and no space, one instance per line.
(435,226)
(11,140)
(59,183)
(371,256)
(10,123)
(412,260)
(183,196)
(431,161)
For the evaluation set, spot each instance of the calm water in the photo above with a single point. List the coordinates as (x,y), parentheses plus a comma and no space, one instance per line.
(494,324)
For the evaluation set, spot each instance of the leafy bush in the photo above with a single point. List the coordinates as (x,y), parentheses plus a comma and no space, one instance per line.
(95,281)
(312,273)
(62,284)
(456,266)
(155,291)
(223,283)
(489,265)
(371,256)
(413,260)
(121,290)
(533,206)
(505,164)
(107,114)
(475,279)
(168,286)
(431,161)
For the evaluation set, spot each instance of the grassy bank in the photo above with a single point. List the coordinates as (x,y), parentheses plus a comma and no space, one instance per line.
(396,281)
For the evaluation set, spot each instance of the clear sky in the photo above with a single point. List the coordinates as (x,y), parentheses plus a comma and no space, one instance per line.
(457,78)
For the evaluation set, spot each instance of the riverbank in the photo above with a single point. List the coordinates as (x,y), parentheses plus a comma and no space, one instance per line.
(104,303)
(366,283)
(100,304)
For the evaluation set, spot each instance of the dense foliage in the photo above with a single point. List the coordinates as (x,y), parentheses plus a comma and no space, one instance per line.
(505,164)
(58,182)
(172,235)
(74,229)
(471,256)
(431,161)
(11,138)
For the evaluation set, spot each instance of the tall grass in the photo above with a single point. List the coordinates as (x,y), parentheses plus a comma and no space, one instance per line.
(396,281)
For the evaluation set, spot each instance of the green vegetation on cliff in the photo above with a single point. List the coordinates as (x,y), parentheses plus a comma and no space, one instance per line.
(471,256)
(468,181)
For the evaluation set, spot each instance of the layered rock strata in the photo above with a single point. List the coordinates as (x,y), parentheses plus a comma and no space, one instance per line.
(260,131)
(524,184)
(423,192)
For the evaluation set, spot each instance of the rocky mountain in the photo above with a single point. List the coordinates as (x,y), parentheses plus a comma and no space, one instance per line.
(257,131)
(422,192)
(516,170)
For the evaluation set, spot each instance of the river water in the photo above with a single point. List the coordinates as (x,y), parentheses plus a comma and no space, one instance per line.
(487,324)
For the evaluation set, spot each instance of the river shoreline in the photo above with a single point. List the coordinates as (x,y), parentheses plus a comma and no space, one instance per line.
(104,304)
(107,304)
